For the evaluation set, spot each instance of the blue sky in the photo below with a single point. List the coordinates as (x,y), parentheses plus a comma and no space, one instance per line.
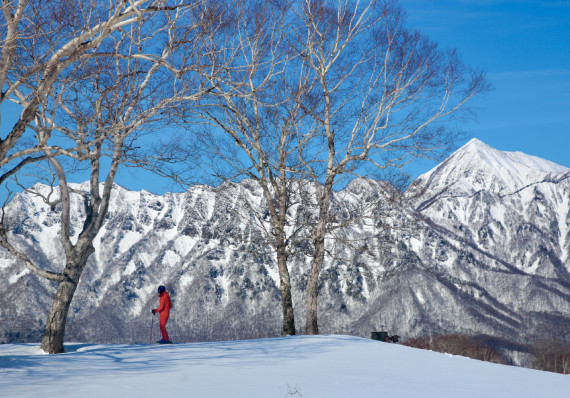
(525,48)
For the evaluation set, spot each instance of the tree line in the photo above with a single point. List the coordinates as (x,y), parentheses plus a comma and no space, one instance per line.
(550,356)
(297,95)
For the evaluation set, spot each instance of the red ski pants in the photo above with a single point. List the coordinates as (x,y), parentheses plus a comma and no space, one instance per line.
(163,319)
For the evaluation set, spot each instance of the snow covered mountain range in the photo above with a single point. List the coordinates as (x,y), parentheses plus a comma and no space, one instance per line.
(483,248)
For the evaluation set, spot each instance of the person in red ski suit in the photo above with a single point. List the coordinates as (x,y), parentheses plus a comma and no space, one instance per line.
(164,311)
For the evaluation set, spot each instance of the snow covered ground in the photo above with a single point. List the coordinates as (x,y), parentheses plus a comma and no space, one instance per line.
(299,366)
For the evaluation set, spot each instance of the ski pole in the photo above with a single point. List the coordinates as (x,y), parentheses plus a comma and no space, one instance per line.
(151,325)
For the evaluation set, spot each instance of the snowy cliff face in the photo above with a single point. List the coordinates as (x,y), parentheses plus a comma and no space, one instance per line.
(482,248)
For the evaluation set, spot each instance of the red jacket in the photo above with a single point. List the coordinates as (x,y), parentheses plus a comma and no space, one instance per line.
(165,304)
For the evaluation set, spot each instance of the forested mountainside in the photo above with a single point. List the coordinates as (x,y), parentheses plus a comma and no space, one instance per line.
(482,247)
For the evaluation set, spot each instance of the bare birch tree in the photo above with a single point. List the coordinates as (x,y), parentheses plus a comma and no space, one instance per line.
(251,117)
(316,95)
(387,95)
(41,39)
(100,105)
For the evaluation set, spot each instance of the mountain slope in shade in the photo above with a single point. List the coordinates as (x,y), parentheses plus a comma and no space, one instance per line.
(488,258)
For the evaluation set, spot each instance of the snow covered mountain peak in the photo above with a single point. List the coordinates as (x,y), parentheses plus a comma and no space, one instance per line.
(477,166)
(512,160)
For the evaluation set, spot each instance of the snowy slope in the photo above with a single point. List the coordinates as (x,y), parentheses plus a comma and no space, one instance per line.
(309,367)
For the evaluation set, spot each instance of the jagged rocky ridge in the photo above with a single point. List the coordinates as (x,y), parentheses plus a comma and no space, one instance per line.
(483,248)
